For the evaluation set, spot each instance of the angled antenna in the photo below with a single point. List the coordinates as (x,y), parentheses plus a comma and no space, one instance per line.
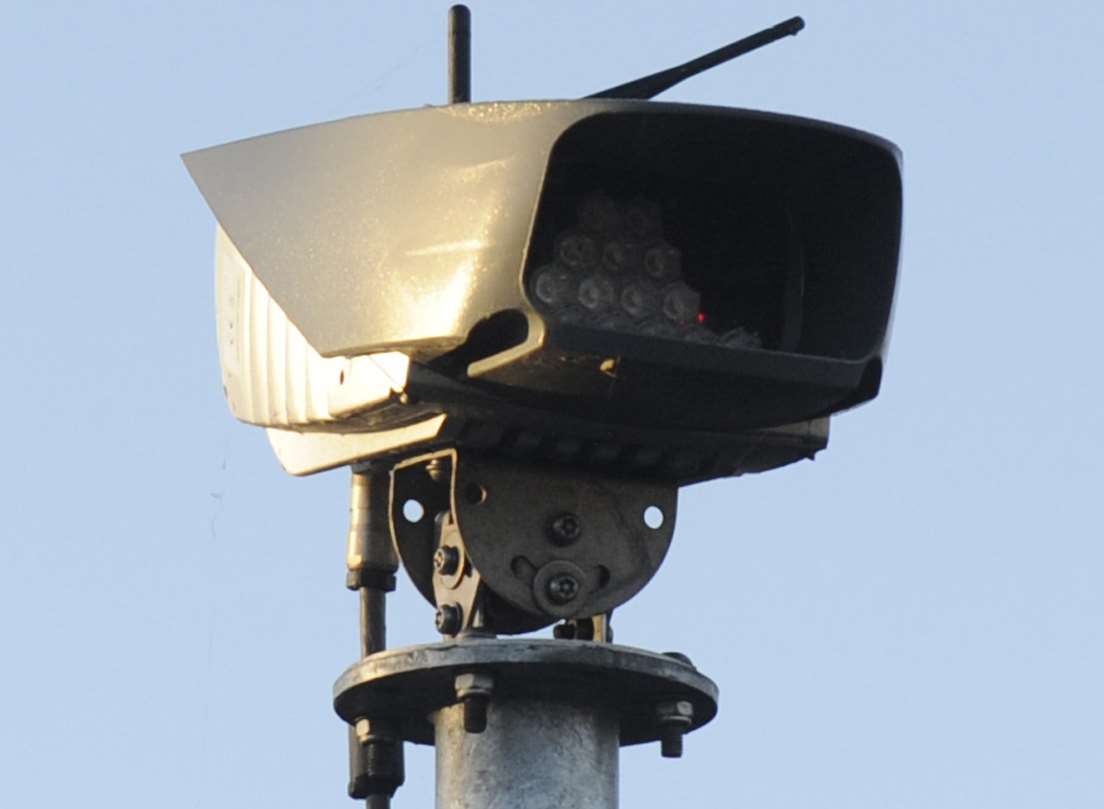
(653,85)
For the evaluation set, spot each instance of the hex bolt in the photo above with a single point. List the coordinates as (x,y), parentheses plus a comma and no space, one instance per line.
(674,719)
(565,528)
(670,741)
(450,619)
(446,560)
(562,588)
(378,769)
(474,690)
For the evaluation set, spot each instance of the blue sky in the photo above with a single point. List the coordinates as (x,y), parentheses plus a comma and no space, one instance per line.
(913,620)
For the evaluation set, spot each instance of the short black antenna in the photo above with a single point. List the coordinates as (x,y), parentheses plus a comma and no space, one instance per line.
(459,39)
(653,85)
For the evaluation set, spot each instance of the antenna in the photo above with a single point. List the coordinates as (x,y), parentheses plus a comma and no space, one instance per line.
(656,83)
(459,37)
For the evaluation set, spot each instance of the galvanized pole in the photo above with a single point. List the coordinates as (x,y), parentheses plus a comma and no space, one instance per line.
(532,755)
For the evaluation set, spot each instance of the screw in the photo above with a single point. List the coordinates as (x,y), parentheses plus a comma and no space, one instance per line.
(562,588)
(565,528)
(450,619)
(474,690)
(446,560)
(674,719)
(437,468)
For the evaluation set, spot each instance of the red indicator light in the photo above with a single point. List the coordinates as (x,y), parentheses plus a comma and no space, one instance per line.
(701,317)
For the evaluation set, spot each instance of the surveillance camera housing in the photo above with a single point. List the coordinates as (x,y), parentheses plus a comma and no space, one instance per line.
(660,290)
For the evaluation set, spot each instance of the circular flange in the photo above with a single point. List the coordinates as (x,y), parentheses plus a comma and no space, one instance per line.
(408,684)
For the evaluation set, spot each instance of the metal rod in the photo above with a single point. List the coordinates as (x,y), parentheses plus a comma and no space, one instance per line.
(459,36)
(375,762)
(373,621)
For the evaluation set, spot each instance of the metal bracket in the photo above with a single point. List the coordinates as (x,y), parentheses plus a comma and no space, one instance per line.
(457,586)
(472,532)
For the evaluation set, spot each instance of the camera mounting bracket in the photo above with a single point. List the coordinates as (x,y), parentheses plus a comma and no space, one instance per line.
(504,547)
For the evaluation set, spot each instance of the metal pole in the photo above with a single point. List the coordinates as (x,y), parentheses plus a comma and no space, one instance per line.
(459,36)
(533,754)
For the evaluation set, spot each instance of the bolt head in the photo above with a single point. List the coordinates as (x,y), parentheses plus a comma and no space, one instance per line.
(363,730)
(565,528)
(449,619)
(474,682)
(446,560)
(680,657)
(675,712)
(437,468)
(563,588)
(374,730)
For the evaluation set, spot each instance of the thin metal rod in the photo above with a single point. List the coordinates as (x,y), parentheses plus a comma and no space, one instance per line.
(373,621)
(375,764)
(459,37)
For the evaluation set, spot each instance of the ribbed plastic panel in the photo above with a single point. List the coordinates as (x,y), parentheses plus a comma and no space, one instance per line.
(271,375)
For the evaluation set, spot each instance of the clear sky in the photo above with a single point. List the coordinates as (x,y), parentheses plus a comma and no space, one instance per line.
(914,620)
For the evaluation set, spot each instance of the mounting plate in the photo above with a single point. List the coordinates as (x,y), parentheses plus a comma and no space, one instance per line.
(409,684)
